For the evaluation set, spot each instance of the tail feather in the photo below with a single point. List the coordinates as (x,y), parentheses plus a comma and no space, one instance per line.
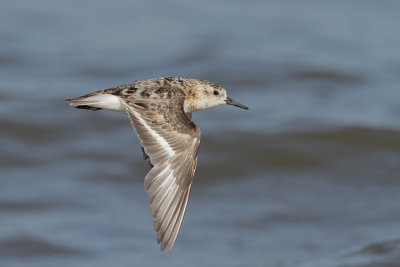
(87,107)
(96,101)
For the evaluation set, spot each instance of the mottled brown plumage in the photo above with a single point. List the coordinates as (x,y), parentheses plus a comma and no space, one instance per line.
(160,112)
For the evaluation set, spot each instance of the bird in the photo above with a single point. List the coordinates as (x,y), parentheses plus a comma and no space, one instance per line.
(160,111)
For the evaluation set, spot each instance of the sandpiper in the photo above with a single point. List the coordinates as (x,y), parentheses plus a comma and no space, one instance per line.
(160,111)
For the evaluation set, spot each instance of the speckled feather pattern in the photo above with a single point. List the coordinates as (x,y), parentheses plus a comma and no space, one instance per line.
(160,112)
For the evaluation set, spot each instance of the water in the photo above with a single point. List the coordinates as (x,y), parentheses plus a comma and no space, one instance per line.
(309,176)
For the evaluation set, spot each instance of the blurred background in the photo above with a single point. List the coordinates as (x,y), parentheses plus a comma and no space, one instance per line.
(308,176)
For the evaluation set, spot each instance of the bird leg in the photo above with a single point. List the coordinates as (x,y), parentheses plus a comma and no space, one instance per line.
(145,156)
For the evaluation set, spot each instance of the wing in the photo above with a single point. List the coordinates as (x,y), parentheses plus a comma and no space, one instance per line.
(171,140)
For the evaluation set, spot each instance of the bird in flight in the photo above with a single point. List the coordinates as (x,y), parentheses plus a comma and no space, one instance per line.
(160,111)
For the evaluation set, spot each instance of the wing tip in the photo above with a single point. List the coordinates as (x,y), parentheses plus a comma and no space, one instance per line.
(168,246)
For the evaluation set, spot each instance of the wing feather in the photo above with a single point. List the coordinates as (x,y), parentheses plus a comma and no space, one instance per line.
(171,140)
(175,226)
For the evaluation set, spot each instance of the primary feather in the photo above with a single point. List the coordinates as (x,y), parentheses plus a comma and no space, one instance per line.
(160,112)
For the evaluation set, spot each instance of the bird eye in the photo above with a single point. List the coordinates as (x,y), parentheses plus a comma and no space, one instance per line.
(216,92)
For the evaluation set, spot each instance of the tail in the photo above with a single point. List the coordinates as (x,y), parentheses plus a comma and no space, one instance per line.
(96,101)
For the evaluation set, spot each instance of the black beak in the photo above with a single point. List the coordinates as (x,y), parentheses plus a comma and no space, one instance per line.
(232,102)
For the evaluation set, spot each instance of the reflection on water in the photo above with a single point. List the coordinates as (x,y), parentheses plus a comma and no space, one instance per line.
(307,177)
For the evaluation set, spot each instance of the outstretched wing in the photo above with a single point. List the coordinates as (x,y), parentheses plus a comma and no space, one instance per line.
(171,140)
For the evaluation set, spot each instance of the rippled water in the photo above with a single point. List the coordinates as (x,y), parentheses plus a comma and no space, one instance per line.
(309,176)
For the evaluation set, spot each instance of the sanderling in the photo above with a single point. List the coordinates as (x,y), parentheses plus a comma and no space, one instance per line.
(160,111)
